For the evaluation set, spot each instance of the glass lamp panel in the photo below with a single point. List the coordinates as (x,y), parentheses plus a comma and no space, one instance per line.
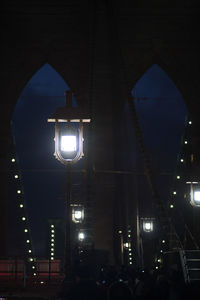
(68,143)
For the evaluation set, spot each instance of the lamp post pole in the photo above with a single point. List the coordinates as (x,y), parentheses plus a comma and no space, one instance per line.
(67,259)
(67,152)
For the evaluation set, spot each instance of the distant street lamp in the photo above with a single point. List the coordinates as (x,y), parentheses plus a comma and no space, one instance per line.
(68,150)
(147,224)
(194,193)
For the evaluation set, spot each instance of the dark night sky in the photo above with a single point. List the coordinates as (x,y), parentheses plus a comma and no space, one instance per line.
(162,119)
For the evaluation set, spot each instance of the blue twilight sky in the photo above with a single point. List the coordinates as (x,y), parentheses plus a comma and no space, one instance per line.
(161,116)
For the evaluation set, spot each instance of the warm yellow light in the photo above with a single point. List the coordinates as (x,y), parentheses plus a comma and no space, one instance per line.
(68,143)
(30,259)
(16,176)
(119,231)
(33,267)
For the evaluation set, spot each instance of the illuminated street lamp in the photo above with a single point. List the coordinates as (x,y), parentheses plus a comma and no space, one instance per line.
(68,150)
(147,224)
(194,193)
(77,213)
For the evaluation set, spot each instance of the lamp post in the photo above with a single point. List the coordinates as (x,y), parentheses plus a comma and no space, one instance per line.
(68,150)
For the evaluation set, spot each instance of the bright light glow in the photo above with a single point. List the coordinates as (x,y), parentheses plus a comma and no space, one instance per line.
(52,258)
(81,236)
(52,226)
(30,259)
(28,241)
(185,142)
(78,214)
(52,231)
(197,196)
(18,192)
(23,218)
(130,254)
(147,226)
(52,244)
(156,267)
(42,282)
(130,258)
(190,122)
(178,177)
(174,192)
(16,176)
(52,253)
(34,274)
(171,206)
(119,231)
(13,159)
(52,249)
(25,230)
(129,235)
(68,143)
(163,241)
(130,262)
(29,251)
(52,240)
(33,267)
(21,205)
(182,160)
(126,245)
(129,249)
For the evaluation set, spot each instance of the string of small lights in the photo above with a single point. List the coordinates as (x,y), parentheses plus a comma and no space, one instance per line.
(52,241)
(178,181)
(22,213)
